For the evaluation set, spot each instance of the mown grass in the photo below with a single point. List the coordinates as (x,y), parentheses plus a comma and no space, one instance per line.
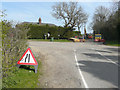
(112,43)
(49,40)
(25,77)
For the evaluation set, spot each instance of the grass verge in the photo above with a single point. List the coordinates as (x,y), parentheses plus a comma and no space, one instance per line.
(25,77)
(48,40)
(112,43)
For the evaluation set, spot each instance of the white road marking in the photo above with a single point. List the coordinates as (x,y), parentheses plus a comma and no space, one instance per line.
(80,64)
(106,57)
(80,72)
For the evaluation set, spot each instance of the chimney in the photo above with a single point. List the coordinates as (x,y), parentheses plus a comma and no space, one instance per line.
(39,20)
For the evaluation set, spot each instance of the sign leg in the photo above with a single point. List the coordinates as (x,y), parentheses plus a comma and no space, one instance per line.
(36,66)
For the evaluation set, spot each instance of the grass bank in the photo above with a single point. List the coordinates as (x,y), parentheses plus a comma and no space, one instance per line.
(49,40)
(112,43)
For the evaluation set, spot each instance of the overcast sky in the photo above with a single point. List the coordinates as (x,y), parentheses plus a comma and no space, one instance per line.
(31,11)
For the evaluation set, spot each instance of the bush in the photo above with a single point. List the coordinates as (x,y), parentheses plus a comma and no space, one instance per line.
(13,45)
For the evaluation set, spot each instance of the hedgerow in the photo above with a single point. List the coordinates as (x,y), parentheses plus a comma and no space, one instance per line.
(39,32)
(13,45)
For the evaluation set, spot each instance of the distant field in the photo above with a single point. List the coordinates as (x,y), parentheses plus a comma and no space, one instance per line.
(48,40)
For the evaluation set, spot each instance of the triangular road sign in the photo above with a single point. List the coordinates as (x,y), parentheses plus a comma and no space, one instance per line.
(27,58)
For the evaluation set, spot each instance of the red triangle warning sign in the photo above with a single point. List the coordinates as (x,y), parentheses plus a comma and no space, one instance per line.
(27,58)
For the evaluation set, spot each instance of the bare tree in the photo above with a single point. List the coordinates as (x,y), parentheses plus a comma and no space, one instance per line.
(72,15)
(101,14)
(114,6)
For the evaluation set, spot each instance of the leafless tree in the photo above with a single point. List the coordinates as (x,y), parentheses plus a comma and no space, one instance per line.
(114,6)
(72,14)
(101,14)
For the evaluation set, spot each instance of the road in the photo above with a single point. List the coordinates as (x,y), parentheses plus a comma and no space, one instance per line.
(77,65)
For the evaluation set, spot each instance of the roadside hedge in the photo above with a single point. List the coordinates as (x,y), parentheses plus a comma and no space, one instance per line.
(39,32)
(13,44)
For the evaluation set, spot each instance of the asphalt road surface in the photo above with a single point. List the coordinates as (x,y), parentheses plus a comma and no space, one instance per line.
(77,65)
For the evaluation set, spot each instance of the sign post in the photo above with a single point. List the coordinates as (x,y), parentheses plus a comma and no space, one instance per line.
(28,59)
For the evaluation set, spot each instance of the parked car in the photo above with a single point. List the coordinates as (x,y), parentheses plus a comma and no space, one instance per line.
(77,39)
